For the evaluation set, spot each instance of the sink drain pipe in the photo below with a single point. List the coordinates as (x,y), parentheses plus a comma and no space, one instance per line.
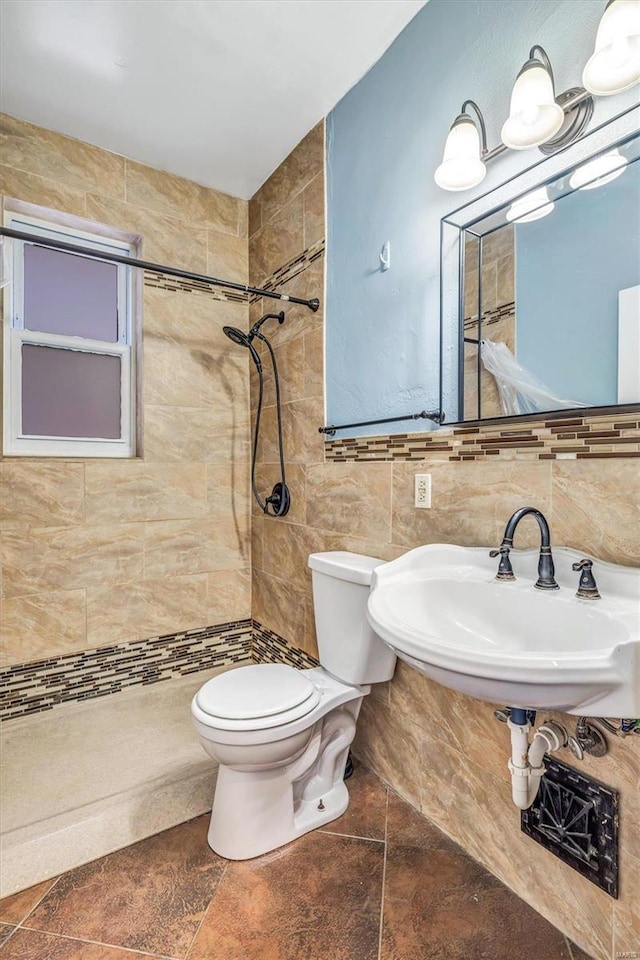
(526,762)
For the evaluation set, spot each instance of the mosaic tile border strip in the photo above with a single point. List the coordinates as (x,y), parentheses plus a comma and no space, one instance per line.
(291,269)
(491,316)
(270,647)
(29,688)
(574,438)
(163,281)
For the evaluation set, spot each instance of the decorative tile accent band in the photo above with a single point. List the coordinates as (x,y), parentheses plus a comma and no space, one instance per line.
(29,688)
(613,435)
(269,647)
(161,281)
(491,316)
(291,269)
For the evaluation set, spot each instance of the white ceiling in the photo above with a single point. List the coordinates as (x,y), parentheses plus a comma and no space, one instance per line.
(218,91)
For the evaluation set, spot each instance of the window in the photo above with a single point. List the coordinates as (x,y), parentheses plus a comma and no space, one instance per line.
(69,358)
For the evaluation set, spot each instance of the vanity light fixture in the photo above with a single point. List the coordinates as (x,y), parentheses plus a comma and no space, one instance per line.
(614,65)
(598,171)
(533,206)
(539,118)
(462,165)
(534,116)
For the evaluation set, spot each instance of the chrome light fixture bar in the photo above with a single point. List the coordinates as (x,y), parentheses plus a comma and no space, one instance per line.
(539,118)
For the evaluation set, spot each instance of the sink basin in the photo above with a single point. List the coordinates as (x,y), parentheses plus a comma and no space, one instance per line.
(440,609)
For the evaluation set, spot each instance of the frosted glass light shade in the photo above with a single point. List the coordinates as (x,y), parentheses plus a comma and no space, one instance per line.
(462,166)
(615,63)
(598,171)
(533,206)
(534,116)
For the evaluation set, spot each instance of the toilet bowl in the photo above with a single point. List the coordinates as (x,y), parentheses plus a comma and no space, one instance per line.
(281,736)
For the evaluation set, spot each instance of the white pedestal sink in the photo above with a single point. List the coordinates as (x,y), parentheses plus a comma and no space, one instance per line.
(441,610)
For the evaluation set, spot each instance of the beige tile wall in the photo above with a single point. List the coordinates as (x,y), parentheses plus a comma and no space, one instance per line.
(444,752)
(96,552)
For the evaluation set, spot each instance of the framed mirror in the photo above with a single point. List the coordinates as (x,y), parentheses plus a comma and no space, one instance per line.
(541,287)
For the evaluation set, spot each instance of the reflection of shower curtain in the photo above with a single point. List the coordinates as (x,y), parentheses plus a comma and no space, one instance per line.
(520,390)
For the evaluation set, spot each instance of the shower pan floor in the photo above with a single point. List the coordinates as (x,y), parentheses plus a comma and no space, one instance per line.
(83,780)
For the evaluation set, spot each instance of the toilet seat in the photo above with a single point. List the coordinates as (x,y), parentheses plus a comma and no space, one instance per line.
(257,697)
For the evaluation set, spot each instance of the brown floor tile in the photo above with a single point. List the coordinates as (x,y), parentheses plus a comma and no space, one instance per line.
(32,945)
(15,908)
(6,929)
(150,896)
(317,899)
(367,810)
(407,827)
(441,905)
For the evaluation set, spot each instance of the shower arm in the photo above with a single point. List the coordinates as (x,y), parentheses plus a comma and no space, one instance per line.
(152,267)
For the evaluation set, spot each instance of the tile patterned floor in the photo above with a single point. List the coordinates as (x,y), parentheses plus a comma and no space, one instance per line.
(380,883)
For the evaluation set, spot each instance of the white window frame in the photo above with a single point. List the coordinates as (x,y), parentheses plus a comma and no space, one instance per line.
(16,443)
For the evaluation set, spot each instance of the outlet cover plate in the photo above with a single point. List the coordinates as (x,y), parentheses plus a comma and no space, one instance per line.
(422,490)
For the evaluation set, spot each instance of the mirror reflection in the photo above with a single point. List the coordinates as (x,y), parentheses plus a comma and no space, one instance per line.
(551,294)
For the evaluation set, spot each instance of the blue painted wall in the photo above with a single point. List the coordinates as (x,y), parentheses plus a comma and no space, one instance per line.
(567,329)
(384,142)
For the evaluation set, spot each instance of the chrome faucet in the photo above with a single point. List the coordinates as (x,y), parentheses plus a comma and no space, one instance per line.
(546,570)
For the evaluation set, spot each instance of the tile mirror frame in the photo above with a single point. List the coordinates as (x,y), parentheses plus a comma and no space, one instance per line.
(452,242)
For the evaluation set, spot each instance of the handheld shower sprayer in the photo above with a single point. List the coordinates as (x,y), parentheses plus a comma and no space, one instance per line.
(244,339)
(278,502)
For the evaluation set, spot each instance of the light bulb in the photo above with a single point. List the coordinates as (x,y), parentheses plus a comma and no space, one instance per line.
(533,206)
(534,115)
(615,63)
(462,166)
(598,171)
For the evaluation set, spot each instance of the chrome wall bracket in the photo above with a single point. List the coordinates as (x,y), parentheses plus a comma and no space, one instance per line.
(578,110)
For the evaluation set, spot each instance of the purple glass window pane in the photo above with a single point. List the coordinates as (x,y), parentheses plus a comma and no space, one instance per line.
(66,393)
(70,295)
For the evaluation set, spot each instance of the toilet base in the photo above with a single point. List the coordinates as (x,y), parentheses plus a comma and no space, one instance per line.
(255,811)
(245,826)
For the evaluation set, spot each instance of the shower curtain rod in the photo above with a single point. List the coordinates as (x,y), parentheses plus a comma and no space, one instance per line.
(154,267)
(437,416)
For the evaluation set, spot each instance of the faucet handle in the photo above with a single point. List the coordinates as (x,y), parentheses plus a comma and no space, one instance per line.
(502,551)
(587,587)
(505,570)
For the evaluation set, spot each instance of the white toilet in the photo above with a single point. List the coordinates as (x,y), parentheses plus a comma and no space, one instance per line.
(280,735)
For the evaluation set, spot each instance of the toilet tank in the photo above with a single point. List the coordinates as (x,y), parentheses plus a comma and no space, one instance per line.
(347,646)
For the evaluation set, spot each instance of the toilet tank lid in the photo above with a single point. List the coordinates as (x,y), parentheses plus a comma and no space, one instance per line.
(345,566)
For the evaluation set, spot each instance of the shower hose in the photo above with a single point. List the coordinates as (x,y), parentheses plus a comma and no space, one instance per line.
(278,502)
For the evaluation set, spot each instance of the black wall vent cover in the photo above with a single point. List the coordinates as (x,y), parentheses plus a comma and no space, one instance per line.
(576,818)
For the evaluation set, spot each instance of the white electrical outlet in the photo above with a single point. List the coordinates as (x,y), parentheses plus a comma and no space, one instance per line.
(422,490)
